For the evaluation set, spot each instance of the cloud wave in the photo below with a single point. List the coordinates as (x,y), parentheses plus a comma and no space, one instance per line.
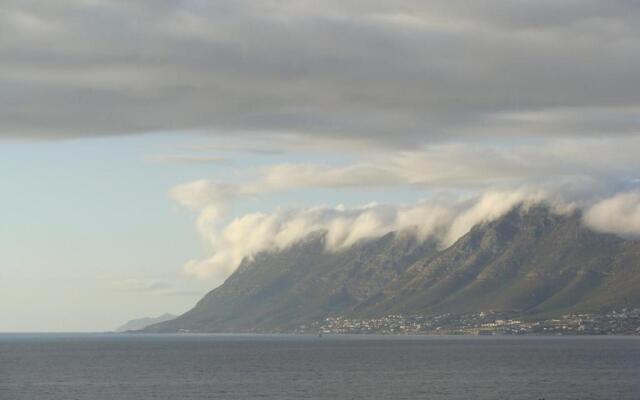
(598,176)
(619,214)
(442,218)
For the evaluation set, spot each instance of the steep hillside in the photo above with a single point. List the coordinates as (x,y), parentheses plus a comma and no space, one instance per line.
(278,291)
(529,262)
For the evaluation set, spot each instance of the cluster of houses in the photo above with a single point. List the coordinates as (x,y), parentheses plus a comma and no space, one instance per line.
(619,322)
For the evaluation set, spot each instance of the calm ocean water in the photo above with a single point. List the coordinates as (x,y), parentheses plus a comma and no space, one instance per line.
(114,367)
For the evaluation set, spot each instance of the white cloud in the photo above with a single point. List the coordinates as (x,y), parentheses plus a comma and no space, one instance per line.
(490,206)
(619,214)
(564,173)
(203,193)
(210,199)
(587,162)
(443,218)
(289,176)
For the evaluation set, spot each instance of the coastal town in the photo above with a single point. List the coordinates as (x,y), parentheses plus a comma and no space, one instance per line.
(620,322)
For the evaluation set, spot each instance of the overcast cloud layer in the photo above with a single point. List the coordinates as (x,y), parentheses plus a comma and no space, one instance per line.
(499,102)
(399,72)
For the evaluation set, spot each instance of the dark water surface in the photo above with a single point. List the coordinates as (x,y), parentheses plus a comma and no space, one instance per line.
(114,367)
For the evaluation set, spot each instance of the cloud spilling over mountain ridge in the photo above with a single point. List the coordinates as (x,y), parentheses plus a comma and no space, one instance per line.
(463,184)
(529,263)
(444,218)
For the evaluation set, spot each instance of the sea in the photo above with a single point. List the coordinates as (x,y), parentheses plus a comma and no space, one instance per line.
(176,367)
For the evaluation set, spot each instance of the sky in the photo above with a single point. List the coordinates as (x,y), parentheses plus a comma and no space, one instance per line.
(148,147)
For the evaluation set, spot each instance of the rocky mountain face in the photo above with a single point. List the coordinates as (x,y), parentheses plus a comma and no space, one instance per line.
(529,262)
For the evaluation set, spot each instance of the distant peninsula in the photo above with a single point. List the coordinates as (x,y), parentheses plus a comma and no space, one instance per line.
(141,323)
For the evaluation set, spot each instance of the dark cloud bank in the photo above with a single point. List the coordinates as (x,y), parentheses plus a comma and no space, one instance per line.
(398,72)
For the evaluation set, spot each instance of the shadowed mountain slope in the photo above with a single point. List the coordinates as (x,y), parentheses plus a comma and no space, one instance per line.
(277,291)
(529,262)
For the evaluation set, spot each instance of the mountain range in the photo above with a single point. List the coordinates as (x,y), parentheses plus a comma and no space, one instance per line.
(531,262)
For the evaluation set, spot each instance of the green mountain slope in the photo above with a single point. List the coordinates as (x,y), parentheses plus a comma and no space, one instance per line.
(278,291)
(529,262)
